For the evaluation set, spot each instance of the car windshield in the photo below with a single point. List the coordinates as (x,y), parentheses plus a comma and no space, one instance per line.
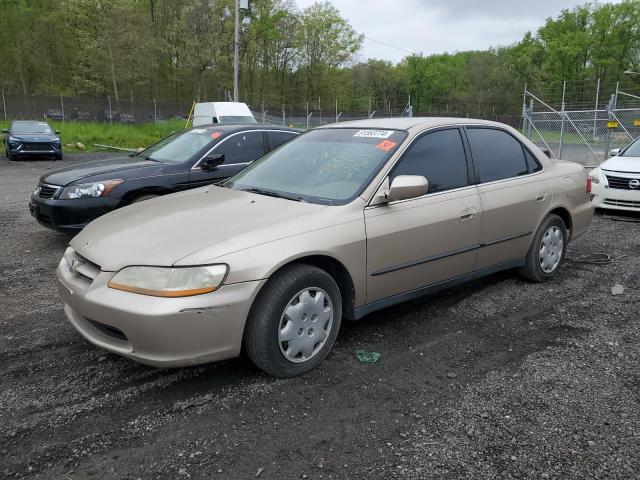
(237,119)
(632,150)
(31,127)
(181,146)
(329,166)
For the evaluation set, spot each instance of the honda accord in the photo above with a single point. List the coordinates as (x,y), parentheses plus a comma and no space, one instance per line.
(337,223)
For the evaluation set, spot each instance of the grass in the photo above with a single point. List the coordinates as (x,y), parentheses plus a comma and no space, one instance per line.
(115,134)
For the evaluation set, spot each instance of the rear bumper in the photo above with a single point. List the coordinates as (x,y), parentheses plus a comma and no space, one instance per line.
(70,216)
(162,332)
(581,217)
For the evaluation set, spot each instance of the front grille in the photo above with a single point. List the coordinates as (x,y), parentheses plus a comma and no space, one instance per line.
(621,203)
(622,183)
(37,147)
(47,191)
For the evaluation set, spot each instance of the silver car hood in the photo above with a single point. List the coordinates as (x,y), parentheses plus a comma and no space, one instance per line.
(622,164)
(166,229)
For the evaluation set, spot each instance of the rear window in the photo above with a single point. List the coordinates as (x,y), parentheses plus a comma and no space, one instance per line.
(182,146)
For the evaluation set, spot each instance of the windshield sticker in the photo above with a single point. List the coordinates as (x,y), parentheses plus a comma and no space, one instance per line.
(374,133)
(198,130)
(386,145)
(216,135)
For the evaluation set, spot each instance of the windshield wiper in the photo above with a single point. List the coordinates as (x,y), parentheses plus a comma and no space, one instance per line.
(271,193)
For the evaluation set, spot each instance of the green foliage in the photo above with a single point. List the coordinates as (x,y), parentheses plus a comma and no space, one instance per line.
(183,49)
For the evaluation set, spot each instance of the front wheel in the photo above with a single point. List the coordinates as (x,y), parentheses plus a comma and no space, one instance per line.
(294,322)
(547,250)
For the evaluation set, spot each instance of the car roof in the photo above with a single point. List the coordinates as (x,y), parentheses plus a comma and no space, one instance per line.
(22,122)
(238,127)
(406,123)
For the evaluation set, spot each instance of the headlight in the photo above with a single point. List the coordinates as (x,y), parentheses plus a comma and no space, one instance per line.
(89,190)
(594,175)
(170,282)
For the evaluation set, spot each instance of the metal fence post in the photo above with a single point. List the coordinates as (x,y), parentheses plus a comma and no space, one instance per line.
(562,115)
(610,115)
(4,107)
(155,111)
(309,118)
(62,108)
(284,116)
(110,113)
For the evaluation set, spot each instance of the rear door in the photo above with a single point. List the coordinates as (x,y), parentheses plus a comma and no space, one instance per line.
(513,193)
(423,241)
(239,150)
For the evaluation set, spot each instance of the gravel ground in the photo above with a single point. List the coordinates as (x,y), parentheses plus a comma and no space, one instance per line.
(494,379)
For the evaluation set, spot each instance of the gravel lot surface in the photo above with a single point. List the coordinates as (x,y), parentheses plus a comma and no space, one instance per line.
(494,379)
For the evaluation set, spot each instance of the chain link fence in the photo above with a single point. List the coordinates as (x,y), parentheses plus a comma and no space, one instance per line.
(59,108)
(21,107)
(583,136)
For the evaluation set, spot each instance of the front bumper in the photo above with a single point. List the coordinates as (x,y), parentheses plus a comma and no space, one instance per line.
(162,332)
(36,150)
(70,216)
(614,198)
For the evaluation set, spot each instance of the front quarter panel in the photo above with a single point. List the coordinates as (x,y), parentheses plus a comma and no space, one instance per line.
(344,241)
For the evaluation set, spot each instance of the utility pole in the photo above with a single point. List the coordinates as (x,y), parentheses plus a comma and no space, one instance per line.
(236,49)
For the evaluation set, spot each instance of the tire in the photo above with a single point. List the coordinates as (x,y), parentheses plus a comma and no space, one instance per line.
(267,325)
(57,158)
(551,232)
(8,155)
(143,198)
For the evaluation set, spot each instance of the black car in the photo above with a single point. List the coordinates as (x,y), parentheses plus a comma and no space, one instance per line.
(31,139)
(69,198)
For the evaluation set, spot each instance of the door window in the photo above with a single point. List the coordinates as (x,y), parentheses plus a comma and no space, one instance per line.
(278,138)
(439,157)
(242,147)
(496,154)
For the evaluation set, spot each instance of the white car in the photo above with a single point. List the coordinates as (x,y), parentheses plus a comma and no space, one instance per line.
(616,182)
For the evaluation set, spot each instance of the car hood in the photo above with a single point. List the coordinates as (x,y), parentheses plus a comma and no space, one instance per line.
(35,137)
(166,229)
(75,173)
(622,164)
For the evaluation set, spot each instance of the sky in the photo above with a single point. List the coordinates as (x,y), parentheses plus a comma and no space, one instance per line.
(438,26)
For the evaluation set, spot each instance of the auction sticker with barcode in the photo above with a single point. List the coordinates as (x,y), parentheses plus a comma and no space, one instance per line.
(374,133)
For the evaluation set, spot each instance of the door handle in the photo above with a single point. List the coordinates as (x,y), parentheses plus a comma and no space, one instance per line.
(467,214)
(541,197)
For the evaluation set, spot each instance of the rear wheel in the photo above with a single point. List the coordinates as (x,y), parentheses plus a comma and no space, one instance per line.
(547,250)
(294,322)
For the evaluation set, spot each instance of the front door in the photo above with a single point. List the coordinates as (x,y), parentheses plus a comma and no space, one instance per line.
(427,240)
(239,150)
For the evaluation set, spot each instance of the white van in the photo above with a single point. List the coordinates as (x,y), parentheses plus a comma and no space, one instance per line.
(222,112)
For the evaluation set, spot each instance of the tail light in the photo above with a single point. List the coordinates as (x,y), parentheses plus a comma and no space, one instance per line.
(588,184)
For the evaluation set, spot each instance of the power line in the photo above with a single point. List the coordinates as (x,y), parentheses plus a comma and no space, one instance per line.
(388,45)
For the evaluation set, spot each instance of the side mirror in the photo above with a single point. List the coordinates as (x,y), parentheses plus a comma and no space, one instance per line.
(403,187)
(57,132)
(615,152)
(547,152)
(5,130)
(211,161)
